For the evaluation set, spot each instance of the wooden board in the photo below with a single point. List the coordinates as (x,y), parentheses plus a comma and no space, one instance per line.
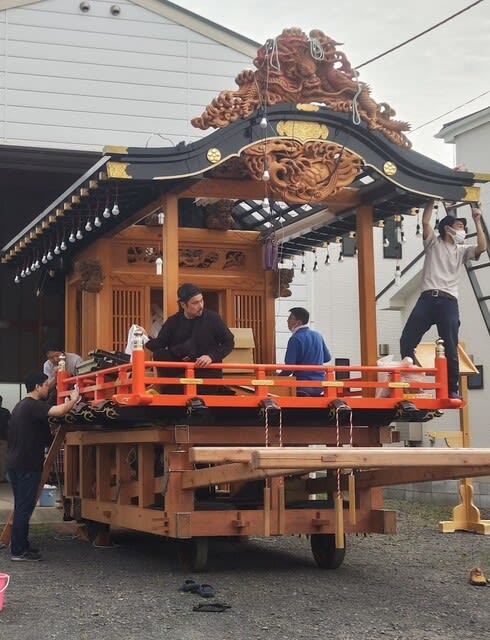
(425,354)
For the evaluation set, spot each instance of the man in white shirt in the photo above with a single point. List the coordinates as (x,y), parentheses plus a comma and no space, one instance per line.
(53,354)
(438,301)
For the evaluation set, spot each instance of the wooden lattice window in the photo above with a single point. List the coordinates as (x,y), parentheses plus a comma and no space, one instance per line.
(248,309)
(127,309)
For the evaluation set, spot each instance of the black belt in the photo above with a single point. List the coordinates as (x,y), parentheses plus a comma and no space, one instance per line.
(437,293)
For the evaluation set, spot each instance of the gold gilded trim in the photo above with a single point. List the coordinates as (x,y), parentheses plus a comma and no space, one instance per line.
(471,194)
(302,130)
(117,170)
(481,177)
(301,106)
(115,149)
(390,168)
(213,155)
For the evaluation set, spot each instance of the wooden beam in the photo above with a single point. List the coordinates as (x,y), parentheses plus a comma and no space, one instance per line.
(365,458)
(347,198)
(390,477)
(367,287)
(229,473)
(153,207)
(170,246)
(223,188)
(219,455)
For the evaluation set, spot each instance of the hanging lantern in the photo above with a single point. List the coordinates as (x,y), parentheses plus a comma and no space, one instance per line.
(159,266)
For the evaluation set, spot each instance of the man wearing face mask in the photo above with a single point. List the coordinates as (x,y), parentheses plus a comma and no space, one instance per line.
(438,302)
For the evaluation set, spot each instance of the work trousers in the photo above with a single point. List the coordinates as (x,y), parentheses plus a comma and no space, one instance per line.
(24,486)
(3,460)
(444,313)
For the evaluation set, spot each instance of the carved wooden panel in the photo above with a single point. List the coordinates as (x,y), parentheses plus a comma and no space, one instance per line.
(248,309)
(127,309)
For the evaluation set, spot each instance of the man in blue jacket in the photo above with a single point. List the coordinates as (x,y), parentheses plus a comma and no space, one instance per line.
(305,347)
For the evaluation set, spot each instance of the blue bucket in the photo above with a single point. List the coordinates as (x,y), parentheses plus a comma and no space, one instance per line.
(48,496)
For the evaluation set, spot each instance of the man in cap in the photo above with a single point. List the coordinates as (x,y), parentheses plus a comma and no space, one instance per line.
(438,302)
(193,334)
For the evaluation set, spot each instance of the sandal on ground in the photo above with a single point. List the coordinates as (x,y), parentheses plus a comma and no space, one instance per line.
(212,606)
(189,586)
(205,590)
(477,577)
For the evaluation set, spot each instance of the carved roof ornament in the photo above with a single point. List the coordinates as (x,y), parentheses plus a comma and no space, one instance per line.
(302,172)
(297,68)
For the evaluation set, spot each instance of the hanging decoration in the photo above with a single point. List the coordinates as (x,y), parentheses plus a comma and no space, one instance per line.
(271,253)
(327,256)
(417,228)
(159,265)
(398,274)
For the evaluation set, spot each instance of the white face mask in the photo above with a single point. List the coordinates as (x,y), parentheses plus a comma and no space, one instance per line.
(459,236)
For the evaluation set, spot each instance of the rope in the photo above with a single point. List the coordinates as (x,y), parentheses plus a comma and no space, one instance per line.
(438,24)
(337,424)
(356,118)
(266,426)
(280,428)
(273,51)
(316,49)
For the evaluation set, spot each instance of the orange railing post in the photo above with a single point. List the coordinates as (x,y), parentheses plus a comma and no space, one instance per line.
(138,362)
(441,367)
(61,376)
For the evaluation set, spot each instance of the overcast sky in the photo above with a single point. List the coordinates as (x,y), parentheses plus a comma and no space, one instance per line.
(422,81)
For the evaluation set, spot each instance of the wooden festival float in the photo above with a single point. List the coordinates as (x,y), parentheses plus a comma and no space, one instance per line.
(299,141)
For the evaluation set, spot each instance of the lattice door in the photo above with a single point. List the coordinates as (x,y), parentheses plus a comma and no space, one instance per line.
(127,309)
(248,309)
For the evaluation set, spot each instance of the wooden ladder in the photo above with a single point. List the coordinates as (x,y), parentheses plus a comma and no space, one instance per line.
(48,463)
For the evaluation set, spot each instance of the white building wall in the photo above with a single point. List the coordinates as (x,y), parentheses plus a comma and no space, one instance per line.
(84,80)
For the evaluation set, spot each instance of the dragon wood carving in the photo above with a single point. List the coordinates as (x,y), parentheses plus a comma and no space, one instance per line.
(297,68)
(308,172)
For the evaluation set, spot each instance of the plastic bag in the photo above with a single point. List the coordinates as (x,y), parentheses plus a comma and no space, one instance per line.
(386,376)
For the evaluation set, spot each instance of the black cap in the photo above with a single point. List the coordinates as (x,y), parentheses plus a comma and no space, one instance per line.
(448,221)
(187,291)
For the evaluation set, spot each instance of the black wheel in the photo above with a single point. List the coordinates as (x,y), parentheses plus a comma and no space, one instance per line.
(326,554)
(193,553)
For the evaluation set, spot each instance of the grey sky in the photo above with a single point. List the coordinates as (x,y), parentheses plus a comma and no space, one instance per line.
(421,81)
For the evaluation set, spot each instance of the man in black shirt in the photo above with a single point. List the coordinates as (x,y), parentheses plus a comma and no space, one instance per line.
(29,435)
(193,334)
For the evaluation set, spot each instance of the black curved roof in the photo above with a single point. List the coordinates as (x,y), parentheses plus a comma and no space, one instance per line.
(136,177)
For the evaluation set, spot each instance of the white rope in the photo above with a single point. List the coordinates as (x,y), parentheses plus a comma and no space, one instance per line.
(316,49)
(356,118)
(273,57)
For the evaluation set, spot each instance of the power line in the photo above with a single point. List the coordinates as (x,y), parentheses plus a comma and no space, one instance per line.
(419,35)
(448,112)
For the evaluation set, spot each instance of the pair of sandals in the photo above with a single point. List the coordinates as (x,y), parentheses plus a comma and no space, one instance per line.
(205,591)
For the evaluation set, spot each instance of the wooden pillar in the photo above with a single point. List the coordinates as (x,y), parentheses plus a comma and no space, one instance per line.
(367,291)
(170,247)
